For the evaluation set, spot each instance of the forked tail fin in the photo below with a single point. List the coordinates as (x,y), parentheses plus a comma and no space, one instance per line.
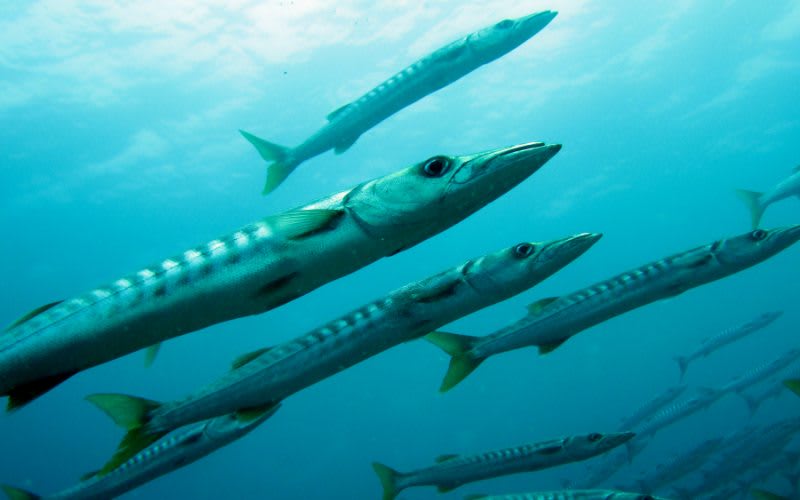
(279,158)
(462,363)
(132,414)
(753,201)
(388,478)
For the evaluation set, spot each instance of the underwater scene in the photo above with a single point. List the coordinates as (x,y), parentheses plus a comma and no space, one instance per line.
(506,250)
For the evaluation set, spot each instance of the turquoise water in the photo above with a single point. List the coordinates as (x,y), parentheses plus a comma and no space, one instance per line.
(120,147)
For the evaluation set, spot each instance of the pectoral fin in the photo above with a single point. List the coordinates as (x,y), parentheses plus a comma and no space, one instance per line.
(150,354)
(337,112)
(344,145)
(445,458)
(300,223)
(550,347)
(248,357)
(539,305)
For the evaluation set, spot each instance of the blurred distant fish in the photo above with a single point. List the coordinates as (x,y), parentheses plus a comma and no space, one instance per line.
(429,74)
(761,372)
(678,466)
(758,202)
(569,495)
(551,322)
(265,377)
(178,450)
(260,267)
(452,471)
(766,495)
(726,337)
(650,407)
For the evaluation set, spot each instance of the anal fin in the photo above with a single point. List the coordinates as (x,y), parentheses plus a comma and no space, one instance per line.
(25,393)
(551,346)
(344,145)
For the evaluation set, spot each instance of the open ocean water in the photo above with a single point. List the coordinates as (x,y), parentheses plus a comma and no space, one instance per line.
(119,147)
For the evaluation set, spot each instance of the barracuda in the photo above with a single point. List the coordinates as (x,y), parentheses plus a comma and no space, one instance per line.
(257,268)
(569,495)
(429,74)
(453,471)
(173,452)
(678,466)
(761,372)
(726,337)
(652,406)
(552,321)
(758,202)
(267,376)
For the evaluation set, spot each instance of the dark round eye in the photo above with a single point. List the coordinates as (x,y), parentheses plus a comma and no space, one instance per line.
(595,437)
(758,234)
(523,250)
(505,24)
(436,167)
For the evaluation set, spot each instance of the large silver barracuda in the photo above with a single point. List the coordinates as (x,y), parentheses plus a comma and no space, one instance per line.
(452,471)
(173,452)
(569,495)
(257,268)
(263,378)
(726,337)
(552,321)
(758,202)
(429,74)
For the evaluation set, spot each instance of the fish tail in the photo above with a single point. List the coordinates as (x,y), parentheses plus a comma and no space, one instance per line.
(683,364)
(281,163)
(752,199)
(132,414)
(793,384)
(462,363)
(388,478)
(18,494)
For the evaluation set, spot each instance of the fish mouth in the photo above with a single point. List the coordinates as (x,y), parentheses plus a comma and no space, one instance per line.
(573,246)
(537,21)
(618,438)
(790,234)
(517,162)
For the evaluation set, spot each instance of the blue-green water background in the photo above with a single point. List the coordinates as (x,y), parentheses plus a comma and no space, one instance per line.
(119,147)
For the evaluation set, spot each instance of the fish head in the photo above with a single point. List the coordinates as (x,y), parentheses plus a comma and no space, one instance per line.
(235,425)
(517,268)
(766,318)
(595,443)
(755,246)
(500,38)
(417,202)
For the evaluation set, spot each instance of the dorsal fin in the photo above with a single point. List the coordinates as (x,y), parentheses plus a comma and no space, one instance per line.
(336,112)
(39,310)
(550,347)
(248,357)
(539,305)
(445,458)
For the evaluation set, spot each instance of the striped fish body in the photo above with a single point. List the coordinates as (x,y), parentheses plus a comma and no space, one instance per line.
(677,411)
(568,495)
(762,372)
(730,335)
(648,409)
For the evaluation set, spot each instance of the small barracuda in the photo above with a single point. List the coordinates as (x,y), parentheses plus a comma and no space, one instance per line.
(758,202)
(429,74)
(267,376)
(552,321)
(775,388)
(569,495)
(651,407)
(453,471)
(182,448)
(726,337)
(761,372)
(679,466)
(257,268)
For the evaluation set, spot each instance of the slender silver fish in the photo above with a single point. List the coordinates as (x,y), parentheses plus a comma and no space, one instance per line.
(452,471)
(761,372)
(552,321)
(774,389)
(726,337)
(257,268)
(569,495)
(651,407)
(758,202)
(678,466)
(181,448)
(267,376)
(429,74)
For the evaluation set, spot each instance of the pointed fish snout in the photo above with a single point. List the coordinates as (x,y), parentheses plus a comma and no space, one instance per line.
(539,19)
(618,438)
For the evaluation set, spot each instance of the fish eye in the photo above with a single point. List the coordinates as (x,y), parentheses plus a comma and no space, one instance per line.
(595,437)
(758,235)
(505,24)
(436,167)
(523,250)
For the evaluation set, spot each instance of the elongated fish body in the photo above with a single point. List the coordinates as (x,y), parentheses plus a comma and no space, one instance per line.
(726,337)
(264,378)
(452,471)
(601,470)
(569,495)
(429,74)
(761,372)
(754,401)
(177,450)
(652,406)
(257,268)
(679,466)
(552,321)
(678,411)
(757,202)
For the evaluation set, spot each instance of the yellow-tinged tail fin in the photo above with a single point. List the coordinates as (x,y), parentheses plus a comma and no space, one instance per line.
(132,414)
(462,363)
(388,479)
(281,164)
(18,494)
(752,199)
